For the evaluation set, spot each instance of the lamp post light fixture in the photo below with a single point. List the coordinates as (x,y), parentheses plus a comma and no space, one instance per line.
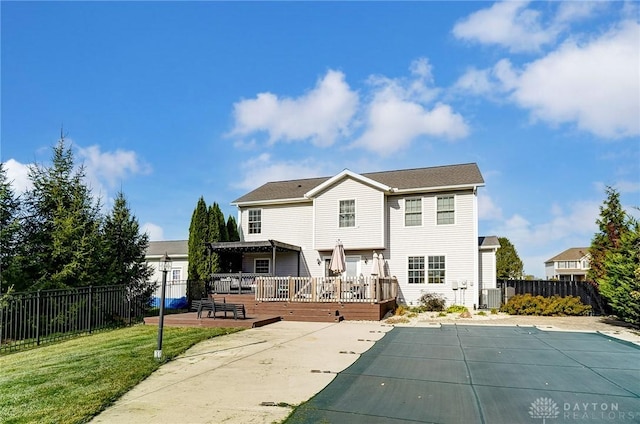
(165,266)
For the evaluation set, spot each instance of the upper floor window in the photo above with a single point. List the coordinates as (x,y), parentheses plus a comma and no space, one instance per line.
(446,210)
(415,272)
(262,266)
(255,221)
(412,212)
(347,213)
(436,270)
(567,265)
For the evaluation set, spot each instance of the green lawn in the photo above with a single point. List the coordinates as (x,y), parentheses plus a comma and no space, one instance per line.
(72,381)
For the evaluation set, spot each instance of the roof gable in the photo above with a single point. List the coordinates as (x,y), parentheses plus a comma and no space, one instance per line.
(571,254)
(339,177)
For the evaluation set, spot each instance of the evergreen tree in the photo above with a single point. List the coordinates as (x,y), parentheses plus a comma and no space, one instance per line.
(9,227)
(124,250)
(620,281)
(199,268)
(216,235)
(232,229)
(61,246)
(234,260)
(508,264)
(612,226)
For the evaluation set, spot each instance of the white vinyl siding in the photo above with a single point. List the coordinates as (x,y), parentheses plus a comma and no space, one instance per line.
(445,210)
(457,243)
(412,212)
(368,231)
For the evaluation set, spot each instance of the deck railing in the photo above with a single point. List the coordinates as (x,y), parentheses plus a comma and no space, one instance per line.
(325,289)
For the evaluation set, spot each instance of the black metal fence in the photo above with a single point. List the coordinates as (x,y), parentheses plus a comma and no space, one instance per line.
(31,319)
(587,293)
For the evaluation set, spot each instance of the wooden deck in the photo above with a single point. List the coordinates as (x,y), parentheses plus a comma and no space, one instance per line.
(190,319)
(263,313)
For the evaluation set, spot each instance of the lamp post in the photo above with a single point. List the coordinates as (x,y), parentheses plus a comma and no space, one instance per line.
(165,266)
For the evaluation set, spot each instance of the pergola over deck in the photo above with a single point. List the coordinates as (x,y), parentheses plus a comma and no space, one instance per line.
(266,246)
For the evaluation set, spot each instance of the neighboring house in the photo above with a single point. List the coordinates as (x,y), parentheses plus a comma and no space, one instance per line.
(423,221)
(571,265)
(178,251)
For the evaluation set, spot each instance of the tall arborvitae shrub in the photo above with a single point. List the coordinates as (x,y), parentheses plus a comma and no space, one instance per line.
(199,269)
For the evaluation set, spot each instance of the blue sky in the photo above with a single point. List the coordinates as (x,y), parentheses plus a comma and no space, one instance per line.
(171,101)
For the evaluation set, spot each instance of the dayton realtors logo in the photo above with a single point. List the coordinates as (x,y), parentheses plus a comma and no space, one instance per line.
(544,408)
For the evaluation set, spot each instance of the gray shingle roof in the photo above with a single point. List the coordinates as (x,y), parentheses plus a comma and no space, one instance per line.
(571,254)
(172,247)
(488,241)
(405,179)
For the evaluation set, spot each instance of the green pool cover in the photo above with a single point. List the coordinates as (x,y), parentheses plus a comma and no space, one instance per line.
(484,374)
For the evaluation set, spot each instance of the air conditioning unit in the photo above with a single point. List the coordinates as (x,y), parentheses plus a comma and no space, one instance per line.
(491,298)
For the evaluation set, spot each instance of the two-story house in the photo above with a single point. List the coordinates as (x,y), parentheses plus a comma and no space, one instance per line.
(424,223)
(570,265)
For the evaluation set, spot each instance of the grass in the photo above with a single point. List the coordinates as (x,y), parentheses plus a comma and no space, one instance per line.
(72,381)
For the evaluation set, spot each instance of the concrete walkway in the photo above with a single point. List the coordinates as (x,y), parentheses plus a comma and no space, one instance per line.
(255,376)
(258,375)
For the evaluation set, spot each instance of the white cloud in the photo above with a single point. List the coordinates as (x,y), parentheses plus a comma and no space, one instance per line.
(487,209)
(593,85)
(154,231)
(262,169)
(569,226)
(110,167)
(321,115)
(399,112)
(509,24)
(18,176)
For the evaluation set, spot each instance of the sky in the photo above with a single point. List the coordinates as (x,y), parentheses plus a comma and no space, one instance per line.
(171,101)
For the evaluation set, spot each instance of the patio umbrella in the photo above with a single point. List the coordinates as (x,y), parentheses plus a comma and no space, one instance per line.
(383,266)
(377,267)
(338,262)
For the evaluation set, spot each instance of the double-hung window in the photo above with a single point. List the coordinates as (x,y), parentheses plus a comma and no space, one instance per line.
(412,212)
(347,213)
(262,266)
(436,270)
(446,210)
(255,221)
(415,270)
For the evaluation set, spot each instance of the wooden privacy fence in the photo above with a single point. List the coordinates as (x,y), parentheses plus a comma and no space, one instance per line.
(587,293)
(325,289)
(31,319)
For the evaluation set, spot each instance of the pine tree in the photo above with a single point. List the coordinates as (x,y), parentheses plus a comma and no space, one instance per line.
(216,234)
(124,248)
(620,283)
(508,264)
(199,268)
(9,232)
(61,245)
(232,229)
(611,226)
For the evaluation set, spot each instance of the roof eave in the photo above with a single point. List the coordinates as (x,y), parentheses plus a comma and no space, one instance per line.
(457,187)
(271,202)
